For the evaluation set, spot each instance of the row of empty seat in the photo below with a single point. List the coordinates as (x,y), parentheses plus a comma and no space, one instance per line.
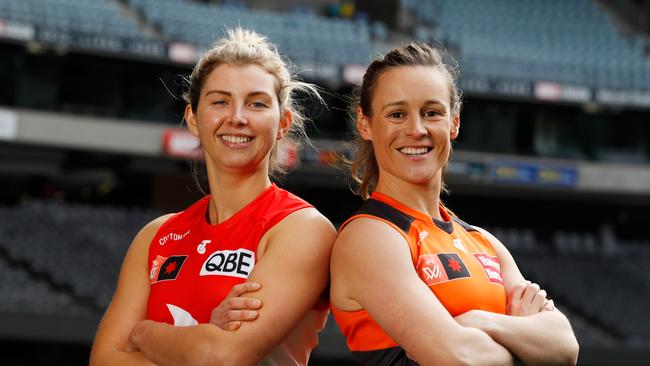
(597,288)
(566,41)
(93,17)
(601,281)
(23,293)
(303,37)
(75,246)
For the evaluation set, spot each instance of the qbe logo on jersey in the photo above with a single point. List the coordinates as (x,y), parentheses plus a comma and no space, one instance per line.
(234,263)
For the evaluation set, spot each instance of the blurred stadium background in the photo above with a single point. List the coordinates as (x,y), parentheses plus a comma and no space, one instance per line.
(553,156)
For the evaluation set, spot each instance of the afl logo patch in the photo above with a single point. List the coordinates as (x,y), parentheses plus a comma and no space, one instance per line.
(233,263)
(165,269)
(442,267)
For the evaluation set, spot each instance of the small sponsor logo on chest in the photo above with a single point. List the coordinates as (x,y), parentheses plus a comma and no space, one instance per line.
(173,237)
(233,263)
(491,266)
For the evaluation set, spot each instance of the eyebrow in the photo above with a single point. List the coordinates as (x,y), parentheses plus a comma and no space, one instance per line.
(403,102)
(227,93)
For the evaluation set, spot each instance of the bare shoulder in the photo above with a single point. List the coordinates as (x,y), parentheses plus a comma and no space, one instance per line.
(148,232)
(307,216)
(369,257)
(365,242)
(137,253)
(303,230)
(155,224)
(369,236)
(498,246)
(306,223)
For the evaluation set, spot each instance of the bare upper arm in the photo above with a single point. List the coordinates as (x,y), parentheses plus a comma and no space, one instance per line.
(372,266)
(128,306)
(294,273)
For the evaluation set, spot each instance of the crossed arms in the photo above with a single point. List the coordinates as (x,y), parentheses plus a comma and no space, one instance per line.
(416,320)
(298,251)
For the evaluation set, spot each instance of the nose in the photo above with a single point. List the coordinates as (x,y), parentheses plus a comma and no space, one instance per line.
(237,117)
(415,127)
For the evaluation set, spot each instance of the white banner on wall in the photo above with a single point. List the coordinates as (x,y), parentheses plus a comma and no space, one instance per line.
(8,125)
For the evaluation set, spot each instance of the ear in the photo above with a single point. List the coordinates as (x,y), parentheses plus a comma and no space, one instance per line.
(190,119)
(363,125)
(285,123)
(455,127)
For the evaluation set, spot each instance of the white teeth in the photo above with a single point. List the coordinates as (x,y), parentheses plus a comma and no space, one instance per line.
(414,150)
(236,139)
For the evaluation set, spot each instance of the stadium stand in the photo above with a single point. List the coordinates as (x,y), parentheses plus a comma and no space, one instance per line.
(304,37)
(565,41)
(96,17)
(75,247)
(602,290)
(22,292)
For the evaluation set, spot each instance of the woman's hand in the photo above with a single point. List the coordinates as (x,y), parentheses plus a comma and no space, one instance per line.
(527,299)
(235,308)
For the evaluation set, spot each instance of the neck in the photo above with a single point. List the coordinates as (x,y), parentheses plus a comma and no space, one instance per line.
(231,191)
(421,197)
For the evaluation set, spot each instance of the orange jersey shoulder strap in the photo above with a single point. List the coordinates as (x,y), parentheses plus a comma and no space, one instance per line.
(384,212)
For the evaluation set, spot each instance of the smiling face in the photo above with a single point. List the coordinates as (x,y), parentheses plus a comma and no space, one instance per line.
(411,124)
(238,118)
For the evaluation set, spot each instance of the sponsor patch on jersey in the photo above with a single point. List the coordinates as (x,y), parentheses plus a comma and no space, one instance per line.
(233,263)
(173,237)
(491,266)
(166,268)
(201,247)
(443,267)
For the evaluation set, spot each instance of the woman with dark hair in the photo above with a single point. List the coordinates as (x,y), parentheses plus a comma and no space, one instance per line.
(410,282)
(186,269)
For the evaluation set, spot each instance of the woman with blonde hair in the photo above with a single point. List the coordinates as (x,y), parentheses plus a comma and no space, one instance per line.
(410,282)
(187,269)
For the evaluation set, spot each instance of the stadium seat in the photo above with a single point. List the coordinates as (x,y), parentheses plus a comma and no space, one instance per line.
(565,41)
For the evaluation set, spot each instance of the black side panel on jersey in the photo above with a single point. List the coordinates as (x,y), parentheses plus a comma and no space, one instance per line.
(465,225)
(387,212)
(395,356)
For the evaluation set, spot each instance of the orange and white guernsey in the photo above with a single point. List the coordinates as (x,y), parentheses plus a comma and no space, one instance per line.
(453,258)
(193,265)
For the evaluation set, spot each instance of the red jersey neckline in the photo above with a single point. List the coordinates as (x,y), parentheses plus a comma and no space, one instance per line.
(239,215)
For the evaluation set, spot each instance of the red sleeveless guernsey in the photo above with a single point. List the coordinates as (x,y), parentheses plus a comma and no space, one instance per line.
(193,265)
(451,257)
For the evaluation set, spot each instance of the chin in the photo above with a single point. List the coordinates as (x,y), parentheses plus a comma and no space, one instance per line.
(416,177)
